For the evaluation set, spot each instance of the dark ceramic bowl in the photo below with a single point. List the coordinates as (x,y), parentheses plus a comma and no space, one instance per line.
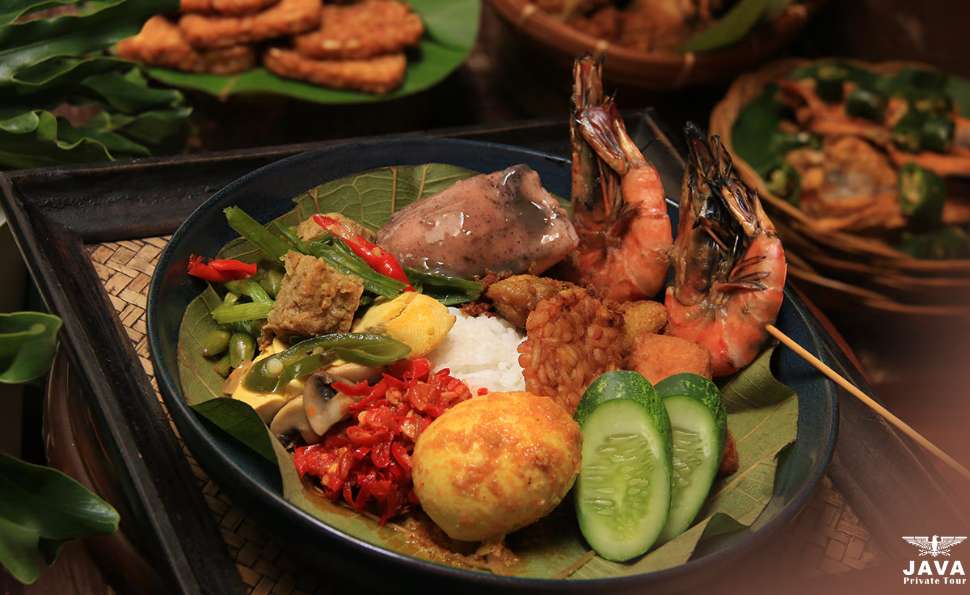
(255,484)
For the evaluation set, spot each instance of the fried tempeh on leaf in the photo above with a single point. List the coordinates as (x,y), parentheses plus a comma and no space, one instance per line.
(289,17)
(376,75)
(161,43)
(363,30)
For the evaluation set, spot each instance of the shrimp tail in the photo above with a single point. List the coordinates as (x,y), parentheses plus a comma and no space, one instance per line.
(587,92)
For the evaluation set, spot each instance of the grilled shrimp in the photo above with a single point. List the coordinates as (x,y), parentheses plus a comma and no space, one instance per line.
(729,264)
(624,231)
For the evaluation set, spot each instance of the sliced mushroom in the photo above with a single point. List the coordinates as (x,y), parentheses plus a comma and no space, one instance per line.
(352,373)
(323,405)
(292,418)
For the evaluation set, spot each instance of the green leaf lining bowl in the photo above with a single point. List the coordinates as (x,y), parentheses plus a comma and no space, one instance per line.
(255,484)
(451,27)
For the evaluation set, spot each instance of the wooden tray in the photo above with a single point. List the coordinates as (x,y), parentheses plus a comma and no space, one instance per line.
(90,236)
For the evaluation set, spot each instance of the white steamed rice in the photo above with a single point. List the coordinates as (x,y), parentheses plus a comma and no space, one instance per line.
(481,351)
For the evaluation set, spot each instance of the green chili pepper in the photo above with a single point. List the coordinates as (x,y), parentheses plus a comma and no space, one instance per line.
(242,347)
(276,371)
(829,82)
(215,342)
(906,132)
(271,282)
(222,367)
(921,194)
(867,104)
(936,134)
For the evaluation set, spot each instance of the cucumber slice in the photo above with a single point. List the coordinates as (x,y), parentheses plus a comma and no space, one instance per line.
(619,384)
(698,425)
(624,485)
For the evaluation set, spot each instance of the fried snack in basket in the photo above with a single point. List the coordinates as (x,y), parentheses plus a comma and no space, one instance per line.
(363,30)
(289,17)
(375,75)
(161,43)
(225,7)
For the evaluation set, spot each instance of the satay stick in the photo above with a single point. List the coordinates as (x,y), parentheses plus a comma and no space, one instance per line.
(868,401)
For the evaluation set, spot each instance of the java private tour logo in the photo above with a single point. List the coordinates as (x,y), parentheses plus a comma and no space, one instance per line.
(937,566)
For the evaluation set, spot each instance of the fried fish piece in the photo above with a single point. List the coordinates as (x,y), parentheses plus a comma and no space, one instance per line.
(160,43)
(288,17)
(363,30)
(375,75)
(225,7)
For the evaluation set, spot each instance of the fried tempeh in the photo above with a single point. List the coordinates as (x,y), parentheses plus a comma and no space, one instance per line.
(289,17)
(376,75)
(225,7)
(363,30)
(161,43)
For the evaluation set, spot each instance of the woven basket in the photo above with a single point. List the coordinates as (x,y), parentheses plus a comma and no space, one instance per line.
(864,268)
(657,70)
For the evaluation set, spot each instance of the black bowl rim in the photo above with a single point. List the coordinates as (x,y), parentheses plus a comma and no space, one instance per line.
(170,389)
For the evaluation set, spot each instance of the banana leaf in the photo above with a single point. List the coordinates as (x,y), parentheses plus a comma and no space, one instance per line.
(451,27)
(762,412)
(40,509)
(28,341)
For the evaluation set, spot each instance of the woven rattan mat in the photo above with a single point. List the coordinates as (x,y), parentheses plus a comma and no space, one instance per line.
(827,537)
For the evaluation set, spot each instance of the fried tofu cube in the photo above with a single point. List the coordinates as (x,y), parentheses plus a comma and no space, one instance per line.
(658,356)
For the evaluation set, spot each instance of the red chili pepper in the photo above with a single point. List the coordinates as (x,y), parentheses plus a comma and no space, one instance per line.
(376,258)
(220,270)
(366,460)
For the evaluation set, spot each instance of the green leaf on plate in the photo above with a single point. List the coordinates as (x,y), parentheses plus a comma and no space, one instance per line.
(28,341)
(763,420)
(40,508)
(202,386)
(451,27)
(369,197)
(730,28)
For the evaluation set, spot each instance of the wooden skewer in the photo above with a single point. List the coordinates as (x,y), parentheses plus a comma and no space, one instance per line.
(868,401)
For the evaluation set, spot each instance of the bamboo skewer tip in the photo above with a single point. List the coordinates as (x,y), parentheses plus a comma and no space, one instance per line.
(867,400)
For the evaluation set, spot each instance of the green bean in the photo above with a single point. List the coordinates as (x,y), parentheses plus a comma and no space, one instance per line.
(271,282)
(222,367)
(447,289)
(226,314)
(215,342)
(242,347)
(270,245)
(249,288)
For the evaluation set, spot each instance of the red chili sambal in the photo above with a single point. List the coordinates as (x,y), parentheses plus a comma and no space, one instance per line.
(366,459)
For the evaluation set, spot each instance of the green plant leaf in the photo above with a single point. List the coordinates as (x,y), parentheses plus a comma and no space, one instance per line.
(451,29)
(763,419)
(95,26)
(28,342)
(730,28)
(40,508)
(370,198)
